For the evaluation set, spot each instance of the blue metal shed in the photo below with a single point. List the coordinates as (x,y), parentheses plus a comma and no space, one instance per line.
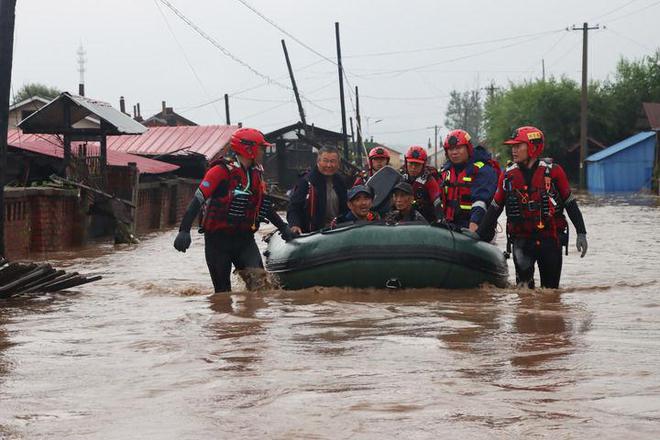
(626,166)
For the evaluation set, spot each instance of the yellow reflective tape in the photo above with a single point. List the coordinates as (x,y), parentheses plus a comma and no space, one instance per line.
(466,206)
(467,179)
(479,164)
(534,135)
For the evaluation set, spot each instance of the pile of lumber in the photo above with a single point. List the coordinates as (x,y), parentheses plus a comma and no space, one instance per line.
(21,278)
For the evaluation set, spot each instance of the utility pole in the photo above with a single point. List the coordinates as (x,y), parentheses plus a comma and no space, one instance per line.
(227,109)
(341,94)
(435,146)
(301,111)
(7,19)
(584,101)
(543,69)
(359,127)
(350,120)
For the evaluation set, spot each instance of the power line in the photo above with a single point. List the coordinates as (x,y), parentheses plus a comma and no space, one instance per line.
(400,71)
(635,12)
(613,10)
(451,46)
(226,52)
(185,56)
(625,37)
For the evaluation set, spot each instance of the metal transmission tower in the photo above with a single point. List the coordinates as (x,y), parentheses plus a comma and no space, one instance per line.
(82,59)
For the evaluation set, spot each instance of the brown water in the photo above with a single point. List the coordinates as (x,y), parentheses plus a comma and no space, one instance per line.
(147,353)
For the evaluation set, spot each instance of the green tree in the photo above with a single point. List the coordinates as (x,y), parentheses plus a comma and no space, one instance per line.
(465,111)
(552,105)
(30,90)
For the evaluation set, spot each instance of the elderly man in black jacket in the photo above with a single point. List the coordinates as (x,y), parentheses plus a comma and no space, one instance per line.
(319,196)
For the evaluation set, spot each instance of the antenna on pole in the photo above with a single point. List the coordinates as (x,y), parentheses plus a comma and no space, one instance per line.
(82,59)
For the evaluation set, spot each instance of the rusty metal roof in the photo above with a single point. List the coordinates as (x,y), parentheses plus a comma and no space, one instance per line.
(652,110)
(51,145)
(50,118)
(208,140)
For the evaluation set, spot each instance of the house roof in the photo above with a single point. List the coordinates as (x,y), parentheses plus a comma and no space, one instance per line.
(652,110)
(37,102)
(162,118)
(620,146)
(208,140)
(49,119)
(51,145)
(320,134)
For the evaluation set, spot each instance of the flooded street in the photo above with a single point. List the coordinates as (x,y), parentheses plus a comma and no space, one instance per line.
(147,353)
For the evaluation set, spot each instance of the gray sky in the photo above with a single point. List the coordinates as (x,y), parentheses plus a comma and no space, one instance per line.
(141,50)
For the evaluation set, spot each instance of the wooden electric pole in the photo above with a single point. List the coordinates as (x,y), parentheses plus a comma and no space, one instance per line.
(358,121)
(7,19)
(301,111)
(350,120)
(435,146)
(341,94)
(584,104)
(227,109)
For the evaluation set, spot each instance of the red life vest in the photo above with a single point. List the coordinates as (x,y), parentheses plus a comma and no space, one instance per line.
(216,216)
(532,211)
(456,191)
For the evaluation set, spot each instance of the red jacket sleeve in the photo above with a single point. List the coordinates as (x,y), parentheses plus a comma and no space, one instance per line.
(500,194)
(433,188)
(213,177)
(561,182)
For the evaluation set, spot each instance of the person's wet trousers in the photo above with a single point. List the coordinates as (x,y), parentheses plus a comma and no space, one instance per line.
(222,250)
(547,253)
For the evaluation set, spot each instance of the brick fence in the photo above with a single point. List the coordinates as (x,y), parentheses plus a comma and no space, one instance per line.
(40,220)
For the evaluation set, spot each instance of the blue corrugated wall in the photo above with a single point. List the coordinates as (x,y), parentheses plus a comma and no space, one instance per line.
(629,170)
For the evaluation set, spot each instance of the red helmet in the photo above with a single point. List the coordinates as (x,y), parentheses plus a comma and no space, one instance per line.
(379,153)
(416,154)
(531,136)
(245,142)
(457,138)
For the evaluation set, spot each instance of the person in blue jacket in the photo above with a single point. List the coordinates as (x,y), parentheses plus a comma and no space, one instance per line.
(468,181)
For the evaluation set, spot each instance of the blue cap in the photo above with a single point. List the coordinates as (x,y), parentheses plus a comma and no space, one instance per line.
(359,189)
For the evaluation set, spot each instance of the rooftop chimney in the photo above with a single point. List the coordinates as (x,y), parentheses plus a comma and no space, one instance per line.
(164,108)
(81,89)
(122,105)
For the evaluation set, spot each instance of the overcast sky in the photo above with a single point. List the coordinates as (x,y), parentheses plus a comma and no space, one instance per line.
(405,56)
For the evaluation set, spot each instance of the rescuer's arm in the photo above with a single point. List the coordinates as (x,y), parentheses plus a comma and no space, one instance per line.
(572,208)
(486,229)
(483,190)
(574,213)
(182,241)
(213,177)
(268,212)
(434,194)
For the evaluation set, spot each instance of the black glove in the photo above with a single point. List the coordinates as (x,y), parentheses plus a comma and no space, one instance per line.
(287,233)
(182,241)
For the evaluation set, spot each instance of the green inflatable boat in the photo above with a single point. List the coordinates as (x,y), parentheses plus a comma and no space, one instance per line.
(385,256)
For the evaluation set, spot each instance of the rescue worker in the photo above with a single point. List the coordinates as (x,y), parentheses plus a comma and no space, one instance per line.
(403,209)
(360,201)
(467,181)
(425,186)
(233,195)
(534,193)
(319,196)
(378,158)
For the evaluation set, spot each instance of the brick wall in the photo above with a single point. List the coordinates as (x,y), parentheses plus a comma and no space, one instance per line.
(39,220)
(162,204)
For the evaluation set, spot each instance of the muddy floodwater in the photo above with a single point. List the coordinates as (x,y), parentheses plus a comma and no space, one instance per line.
(148,353)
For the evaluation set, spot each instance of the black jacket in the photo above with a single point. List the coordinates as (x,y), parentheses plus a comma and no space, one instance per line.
(297,213)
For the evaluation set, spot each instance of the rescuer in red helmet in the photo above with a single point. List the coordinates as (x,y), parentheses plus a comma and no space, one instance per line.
(535,193)
(467,180)
(378,158)
(233,194)
(425,186)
